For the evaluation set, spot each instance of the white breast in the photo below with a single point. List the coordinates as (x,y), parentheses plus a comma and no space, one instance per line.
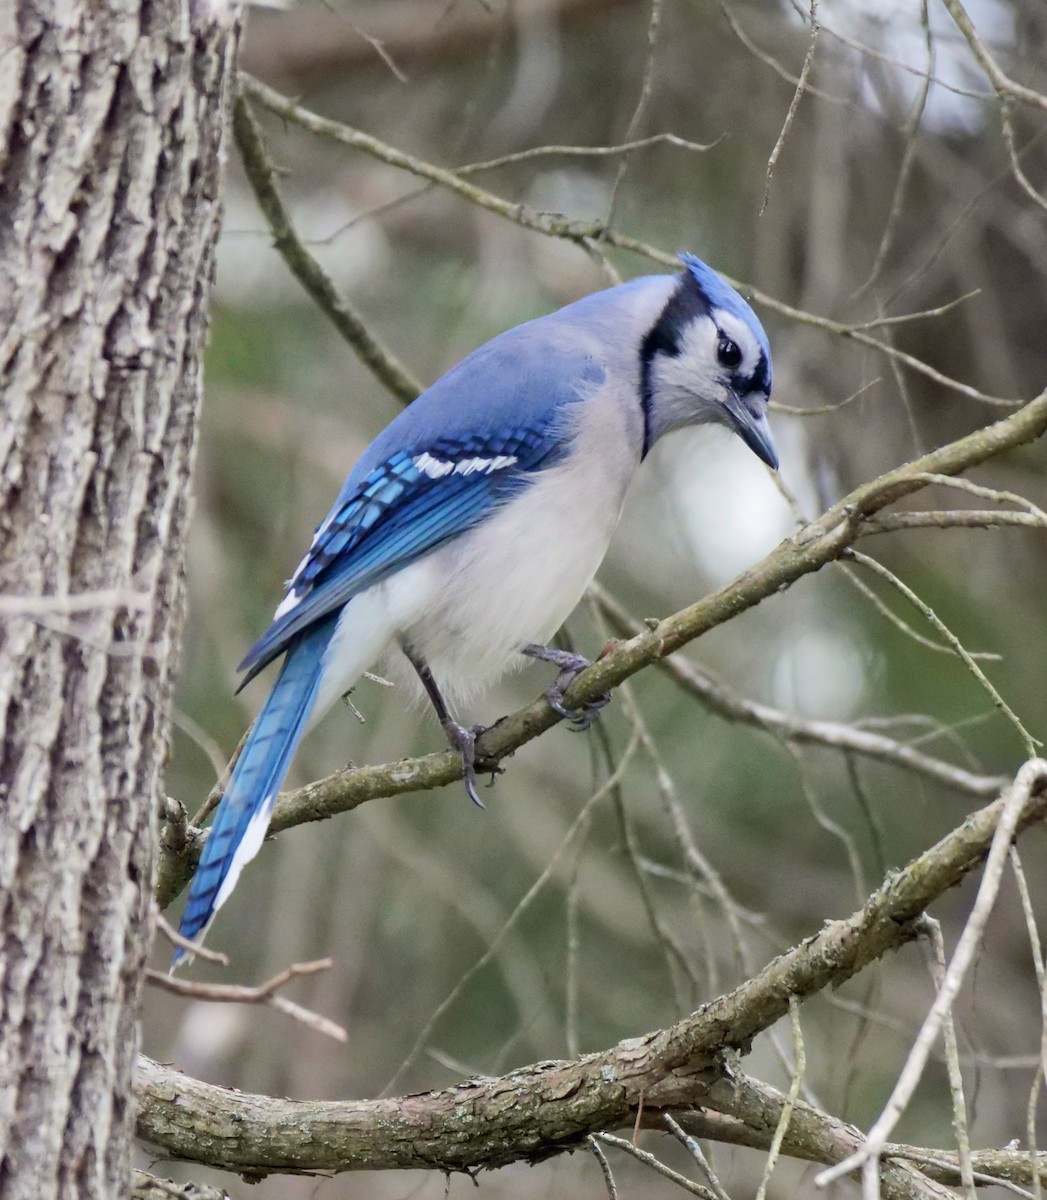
(516,578)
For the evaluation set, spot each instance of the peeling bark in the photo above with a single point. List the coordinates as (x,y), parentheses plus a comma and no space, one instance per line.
(112,124)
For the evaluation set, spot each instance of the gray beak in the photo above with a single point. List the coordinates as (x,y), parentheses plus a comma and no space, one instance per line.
(749,422)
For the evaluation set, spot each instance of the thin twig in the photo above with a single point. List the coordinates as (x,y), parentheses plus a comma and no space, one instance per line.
(1024,182)
(885,610)
(76,602)
(908,159)
(963,518)
(821,410)
(998,495)
(922,314)
(952,1062)
(261,175)
(556,225)
(770,61)
(801,87)
(1031,743)
(655,139)
(656,1164)
(605,1167)
(1030,776)
(846,738)
(997,77)
(231,993)
(176,939)
(642,102)
(782,1128)
(695,1150)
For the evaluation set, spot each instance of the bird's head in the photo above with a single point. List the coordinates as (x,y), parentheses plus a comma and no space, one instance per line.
(706,360)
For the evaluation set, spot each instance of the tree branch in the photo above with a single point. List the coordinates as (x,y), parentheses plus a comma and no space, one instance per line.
(262,177)
(149,1187)
(743,1111)
(808,550)
(549,1107)
(583,233)
(265,993)
(850,739)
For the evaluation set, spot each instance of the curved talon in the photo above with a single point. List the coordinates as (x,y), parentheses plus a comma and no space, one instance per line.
(578,719)
(464,741)
(571,666)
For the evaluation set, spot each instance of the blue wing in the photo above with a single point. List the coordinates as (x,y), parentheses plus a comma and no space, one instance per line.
(405,507)
(465,445)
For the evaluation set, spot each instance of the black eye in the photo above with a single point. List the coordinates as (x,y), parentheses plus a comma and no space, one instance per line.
(728,352)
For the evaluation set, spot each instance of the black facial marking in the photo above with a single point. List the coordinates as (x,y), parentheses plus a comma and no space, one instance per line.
(687,303)
(761,377)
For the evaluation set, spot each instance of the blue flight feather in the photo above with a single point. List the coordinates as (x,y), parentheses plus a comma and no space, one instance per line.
(259,771)
(390,512)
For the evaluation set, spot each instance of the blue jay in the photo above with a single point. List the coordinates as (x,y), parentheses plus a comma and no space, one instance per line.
(471,526)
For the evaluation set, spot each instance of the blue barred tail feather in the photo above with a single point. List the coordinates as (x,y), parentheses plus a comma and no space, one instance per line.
(243,815)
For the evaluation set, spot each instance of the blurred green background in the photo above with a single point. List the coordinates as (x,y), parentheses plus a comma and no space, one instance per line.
(887,197)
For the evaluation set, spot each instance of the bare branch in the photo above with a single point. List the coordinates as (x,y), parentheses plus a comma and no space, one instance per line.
(580,232)
(605,1168)
(176,939)
(1032,775)
(964,518)
(794,104)
(1031,743)
(555,1106)
(262,177)
(810,548)
(656,1164)
(997,77)
(782,1127)
(642,102)
(696,1152)
(232,993)
(149,1187)
(656,139)
(78,602)
(847,738)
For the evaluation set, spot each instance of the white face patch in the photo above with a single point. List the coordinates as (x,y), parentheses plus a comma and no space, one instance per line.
(694,374)
(692,386)
(437,468)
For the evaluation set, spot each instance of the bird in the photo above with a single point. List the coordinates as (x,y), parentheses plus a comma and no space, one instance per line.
(471,526)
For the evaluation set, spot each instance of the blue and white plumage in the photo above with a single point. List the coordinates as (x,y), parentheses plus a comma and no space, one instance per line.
(471,526)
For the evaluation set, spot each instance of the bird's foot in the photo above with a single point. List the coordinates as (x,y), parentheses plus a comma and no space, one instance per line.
(463,740)
(571,665)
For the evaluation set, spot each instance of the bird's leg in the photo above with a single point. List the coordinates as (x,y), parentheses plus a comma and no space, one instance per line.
(462,739)
(571,665)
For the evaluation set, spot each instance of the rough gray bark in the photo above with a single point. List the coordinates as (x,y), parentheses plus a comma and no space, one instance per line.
(112,121)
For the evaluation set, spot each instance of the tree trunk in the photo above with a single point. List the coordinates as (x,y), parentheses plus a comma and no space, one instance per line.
(112,123)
